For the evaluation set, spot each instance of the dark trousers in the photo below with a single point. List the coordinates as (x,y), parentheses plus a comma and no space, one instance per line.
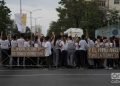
(99,63)
(63,59)
(83,58)
(77,58)
(49,61)
(5,56)
(110,62)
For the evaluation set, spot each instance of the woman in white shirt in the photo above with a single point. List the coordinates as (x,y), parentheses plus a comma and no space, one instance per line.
(98,63)
(63,58)
(26,43)
(109,62)
(77,53)
(5,50)
(14,42)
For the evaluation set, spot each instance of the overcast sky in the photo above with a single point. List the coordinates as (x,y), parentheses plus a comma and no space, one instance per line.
(47,13)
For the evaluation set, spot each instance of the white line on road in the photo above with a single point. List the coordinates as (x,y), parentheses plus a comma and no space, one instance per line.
(54,75)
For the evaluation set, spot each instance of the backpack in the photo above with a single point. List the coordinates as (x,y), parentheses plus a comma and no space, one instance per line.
(71,46)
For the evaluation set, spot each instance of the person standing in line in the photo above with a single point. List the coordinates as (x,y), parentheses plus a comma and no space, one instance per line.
(108,64)
(116,45)
(36,43)
(20,42)
(58,51)
(98,44)
(5,50)
(42,40)
(14,42)
(83,49)
(26,42)
(77,52)
(48,51)
(91,44)
(71,52)
(63,60)
(9,39)
(14,45)
(53,41)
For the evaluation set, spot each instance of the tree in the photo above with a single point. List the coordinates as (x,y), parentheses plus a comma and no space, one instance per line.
(54,27)
(113,17)
(5,22)
(79,14)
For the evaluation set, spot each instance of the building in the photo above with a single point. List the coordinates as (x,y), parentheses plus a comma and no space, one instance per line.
(114,4)
(112,30)
(109,4)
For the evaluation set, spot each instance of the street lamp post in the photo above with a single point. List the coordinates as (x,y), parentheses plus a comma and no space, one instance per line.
(20,7)
(31,19)
(36,22)
(31,12)
(108,19)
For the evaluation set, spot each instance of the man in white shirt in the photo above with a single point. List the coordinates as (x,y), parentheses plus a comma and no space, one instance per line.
(48,52)
(20,42)
(83,52)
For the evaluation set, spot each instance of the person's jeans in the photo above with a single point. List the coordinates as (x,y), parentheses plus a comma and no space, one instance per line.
(71,58)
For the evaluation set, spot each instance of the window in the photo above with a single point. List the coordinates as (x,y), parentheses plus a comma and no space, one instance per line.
(116,1)
(102,3)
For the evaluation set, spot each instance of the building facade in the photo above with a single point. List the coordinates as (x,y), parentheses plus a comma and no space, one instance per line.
(109,4)
(112,30)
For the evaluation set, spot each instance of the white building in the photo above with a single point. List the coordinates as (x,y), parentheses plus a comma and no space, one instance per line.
(114,4)
(109,4)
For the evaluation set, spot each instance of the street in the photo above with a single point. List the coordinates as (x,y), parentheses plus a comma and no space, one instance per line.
(56,77)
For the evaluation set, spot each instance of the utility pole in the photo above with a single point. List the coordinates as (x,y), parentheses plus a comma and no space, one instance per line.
(21,13)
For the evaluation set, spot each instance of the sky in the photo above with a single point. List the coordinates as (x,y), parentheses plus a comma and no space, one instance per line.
(45,16)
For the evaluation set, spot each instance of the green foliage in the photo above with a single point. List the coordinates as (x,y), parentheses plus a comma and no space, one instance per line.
(78,14)
(4,17)
(114,17)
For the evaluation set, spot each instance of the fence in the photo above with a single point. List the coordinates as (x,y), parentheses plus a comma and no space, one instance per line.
(26,53)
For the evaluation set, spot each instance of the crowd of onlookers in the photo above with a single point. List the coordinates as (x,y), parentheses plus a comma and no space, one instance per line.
(64,51)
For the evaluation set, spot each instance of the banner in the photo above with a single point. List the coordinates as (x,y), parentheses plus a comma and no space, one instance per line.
(103,53)
(28,52)
(21,22)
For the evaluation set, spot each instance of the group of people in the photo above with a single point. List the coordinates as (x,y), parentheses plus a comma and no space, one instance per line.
(63,50)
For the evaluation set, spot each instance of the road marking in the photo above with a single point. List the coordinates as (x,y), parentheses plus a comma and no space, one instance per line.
(55,75)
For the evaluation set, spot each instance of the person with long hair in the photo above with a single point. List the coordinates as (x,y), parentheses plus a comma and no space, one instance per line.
(63,59)
(71,52)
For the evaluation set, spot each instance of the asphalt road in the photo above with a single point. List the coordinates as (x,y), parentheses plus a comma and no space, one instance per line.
(56,77)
